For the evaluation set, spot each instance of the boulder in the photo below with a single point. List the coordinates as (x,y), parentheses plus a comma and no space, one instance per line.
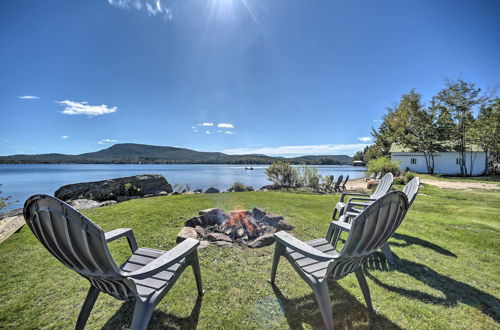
(188,193)
(203,245)
(283,225)
(193,222)
(198,190)
(258,213)
(162,193)
(120,199)
(186,232)
(137,185)
(210,217)
(269,187)
(271,219)
(107,203)
(264,240)
(212,237)
(248,188)
(201,231)
(82,204)
(212,190)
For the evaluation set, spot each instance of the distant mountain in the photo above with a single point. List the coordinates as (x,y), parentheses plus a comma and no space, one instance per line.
(131,153)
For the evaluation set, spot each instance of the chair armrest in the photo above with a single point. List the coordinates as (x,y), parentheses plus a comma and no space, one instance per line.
(345,226)
(351,194)
(121,232)
(361,199)
(297,245)
(167,259)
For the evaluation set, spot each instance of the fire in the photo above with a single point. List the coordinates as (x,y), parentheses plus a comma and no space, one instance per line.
(239,225)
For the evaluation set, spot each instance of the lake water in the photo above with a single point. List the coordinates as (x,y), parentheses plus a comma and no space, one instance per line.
(22,181)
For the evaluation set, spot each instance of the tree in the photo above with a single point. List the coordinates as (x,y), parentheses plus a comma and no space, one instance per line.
(486,132)
(457,102)
(358,156)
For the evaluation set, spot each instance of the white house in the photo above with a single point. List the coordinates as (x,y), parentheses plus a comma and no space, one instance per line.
(444,162)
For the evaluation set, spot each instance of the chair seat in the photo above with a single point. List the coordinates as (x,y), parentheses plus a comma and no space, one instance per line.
(155,282)
(310,266)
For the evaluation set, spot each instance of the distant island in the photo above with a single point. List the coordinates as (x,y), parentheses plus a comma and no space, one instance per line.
(132,153)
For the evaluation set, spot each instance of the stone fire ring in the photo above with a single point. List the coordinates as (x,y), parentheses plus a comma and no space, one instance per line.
(238,227)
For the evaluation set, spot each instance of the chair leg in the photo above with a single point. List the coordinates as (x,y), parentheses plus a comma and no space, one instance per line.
(197,272)
(87,307)
(364,287)
(322,294)
(276,259)
(386,250)
(334,213)
(142,314)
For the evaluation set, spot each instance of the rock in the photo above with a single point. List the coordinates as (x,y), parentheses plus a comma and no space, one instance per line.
(269,187)
(271,219)
(120,199)
(82,204)
(162,193)
(193,222)
(248,188)
(107,203)
(149,195)
(137,185)
(258,213)
(186,232)
(198,190)
(264,240)
(222,243)
(203,245)
(201,231)
(210,217)
(174,193)
(212,190)
(11,213)
(283,225)
(212,237)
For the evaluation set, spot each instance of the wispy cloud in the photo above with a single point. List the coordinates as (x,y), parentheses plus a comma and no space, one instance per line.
(104,141)
(365,139)
(207,132)
(207,124)
(64,137)
(151,7)
(83,108)
(318,149)
(228,132)
(28,97)
(225,125)
(377,120)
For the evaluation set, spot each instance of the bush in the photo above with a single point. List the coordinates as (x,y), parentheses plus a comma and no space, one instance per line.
(408,177)
(282,174)
(309,177)
(383,164)
(238,187)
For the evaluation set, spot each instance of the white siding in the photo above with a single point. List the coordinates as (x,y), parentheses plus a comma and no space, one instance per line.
(444,162)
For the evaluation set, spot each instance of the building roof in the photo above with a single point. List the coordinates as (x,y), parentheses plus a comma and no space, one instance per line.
(396,147)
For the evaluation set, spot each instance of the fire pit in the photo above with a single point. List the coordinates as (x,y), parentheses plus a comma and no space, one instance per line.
(239,227)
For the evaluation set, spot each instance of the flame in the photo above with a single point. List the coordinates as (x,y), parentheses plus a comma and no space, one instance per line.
(240,219)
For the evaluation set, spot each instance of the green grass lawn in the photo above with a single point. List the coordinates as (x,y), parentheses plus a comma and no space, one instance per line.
(447,273)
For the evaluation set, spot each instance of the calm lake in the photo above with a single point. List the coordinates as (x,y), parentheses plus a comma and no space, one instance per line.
(22,181)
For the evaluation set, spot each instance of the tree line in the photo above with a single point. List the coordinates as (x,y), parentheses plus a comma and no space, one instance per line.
(458,118)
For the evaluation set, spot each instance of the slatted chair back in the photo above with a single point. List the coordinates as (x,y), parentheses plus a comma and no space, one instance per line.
(383,186)
(339,181)
(379,174)
(411,189)
(345,180)
(77,242)
(369,231)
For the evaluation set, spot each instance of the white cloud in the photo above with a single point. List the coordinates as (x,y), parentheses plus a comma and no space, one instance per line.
(228,132)
(104,141)
(83,108)
(151,7)
(207,132)
(319,149)
(207,124)
(64,137)
(365,139)
(225,125)
(377,120)
(28,97)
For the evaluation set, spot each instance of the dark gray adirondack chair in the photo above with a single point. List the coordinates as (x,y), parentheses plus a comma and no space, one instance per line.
(82,246)
(371,177)
(317,259)
(364,199)
(338,183)
(410,190)
(377,177)
(345,182)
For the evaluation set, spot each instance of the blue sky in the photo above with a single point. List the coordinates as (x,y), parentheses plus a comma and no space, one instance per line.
(280,77)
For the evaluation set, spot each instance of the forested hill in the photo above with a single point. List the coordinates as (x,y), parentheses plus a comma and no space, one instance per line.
(131,153)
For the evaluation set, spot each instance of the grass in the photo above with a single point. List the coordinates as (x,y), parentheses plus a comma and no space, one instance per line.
(495,179)
(447,274)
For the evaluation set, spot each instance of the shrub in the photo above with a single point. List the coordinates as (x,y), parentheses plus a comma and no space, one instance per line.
(329,183)
(238,187)
(408,177)
(383,164)
(309,177)
(282,173)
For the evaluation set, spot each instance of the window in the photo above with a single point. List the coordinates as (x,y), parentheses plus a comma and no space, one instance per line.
(413,160)
(458,161)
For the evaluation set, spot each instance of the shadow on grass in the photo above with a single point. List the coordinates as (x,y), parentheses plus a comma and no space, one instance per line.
(410,240)
(159,320)
(348,312)
(454,291)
